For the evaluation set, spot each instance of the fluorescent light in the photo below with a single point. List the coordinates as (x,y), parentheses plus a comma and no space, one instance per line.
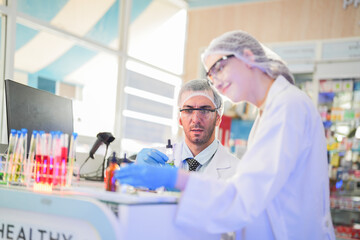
(148,118)
(149,95)
(153,73)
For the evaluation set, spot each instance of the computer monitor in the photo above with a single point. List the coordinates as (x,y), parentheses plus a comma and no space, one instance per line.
(34,109)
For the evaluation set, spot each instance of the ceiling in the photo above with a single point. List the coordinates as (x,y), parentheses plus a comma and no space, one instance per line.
(212,3)
(40,53)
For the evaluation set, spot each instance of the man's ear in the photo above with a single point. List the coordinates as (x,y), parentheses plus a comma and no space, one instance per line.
(218,120)
(180,123)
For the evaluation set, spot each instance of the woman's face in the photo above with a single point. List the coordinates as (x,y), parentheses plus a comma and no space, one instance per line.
(229,75)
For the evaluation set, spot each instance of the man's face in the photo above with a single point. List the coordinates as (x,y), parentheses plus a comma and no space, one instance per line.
(198,125)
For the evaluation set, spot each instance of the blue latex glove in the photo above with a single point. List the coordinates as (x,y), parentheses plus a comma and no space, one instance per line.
(151,156)
(148,176)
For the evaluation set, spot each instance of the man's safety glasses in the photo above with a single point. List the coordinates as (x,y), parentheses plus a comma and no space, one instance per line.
(204,112)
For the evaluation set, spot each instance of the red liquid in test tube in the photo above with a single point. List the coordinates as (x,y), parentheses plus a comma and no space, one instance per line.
(57,158)
(51,170)
(45,169)
(64,151)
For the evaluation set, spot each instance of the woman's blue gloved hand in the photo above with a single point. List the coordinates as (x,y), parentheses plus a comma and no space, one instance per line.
(148,176)
(151,156)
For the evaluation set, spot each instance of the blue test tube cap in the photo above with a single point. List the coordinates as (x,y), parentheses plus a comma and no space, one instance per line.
(74,135)
(13,131)
(41,132)
(35,132)
(24,131)
(18,133)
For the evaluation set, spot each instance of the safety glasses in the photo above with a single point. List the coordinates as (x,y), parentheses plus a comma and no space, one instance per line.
(218,67)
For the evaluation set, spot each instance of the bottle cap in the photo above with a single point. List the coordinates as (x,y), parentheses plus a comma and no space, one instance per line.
(113,159)
(169,144)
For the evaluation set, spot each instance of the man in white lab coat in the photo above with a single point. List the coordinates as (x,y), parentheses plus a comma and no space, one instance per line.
(200,108)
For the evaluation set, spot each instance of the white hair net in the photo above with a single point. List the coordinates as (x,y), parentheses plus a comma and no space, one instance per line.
(235,42)
(200,87)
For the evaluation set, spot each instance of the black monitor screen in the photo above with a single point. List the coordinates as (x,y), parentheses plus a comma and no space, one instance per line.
(35,109)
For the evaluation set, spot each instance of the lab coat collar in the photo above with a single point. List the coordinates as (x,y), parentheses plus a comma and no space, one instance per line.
(204,156)
(278,86)
(225,162)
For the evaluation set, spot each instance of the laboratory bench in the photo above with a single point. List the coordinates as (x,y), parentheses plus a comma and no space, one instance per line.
(87,211)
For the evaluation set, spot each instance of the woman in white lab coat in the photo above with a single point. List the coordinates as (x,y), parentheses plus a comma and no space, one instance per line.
(281,188)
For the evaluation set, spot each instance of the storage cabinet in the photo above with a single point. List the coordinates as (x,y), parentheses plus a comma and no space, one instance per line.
(339,107)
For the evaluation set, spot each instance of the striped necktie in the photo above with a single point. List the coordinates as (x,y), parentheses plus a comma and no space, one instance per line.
(193,164)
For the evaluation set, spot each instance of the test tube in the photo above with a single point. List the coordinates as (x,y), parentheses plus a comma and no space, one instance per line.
(38,157)
(72,157)
(48,171)
(30,164)
(44,158)
(22,157)
(52,150)
(15,160)
(64,154)
(57,158)
(10,154)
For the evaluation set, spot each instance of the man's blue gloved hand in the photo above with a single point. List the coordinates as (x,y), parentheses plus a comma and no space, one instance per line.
(148,176)
(151,156)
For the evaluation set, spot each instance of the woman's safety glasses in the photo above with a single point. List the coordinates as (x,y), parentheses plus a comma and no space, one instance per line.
(217,67)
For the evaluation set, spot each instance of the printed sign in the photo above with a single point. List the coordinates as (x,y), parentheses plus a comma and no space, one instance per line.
(24,225)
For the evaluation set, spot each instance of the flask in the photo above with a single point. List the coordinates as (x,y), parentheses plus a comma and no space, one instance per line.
(110,181)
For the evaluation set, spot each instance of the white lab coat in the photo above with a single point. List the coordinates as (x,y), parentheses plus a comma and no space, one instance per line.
(281,189)
(222,165)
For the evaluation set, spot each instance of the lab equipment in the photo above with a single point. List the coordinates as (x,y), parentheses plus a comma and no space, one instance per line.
(23,156)
(110,181)
(10,154)
(170,153)
(64,154)
(15,160)
(149,176)
(151,156)
(102,138)
(57,158)
(47,163)
(30,163)
(16,157)
(72,157)
(48,166)
(38,156)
